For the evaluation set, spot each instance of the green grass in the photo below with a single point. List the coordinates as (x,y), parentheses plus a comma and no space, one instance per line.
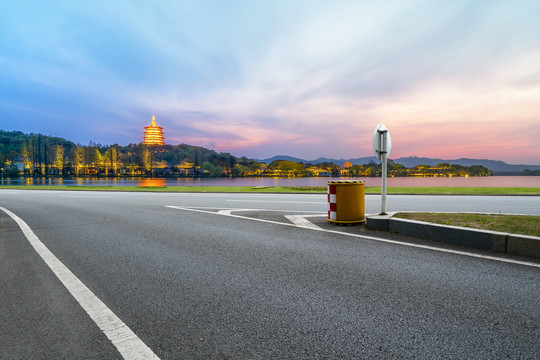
(458,190)
(516,224)
(296,189)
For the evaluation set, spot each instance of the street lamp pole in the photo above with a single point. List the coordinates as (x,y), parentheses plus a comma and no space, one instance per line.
(381,147)
(384,163)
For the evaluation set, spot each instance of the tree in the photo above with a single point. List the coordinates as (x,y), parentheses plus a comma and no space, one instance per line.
(111,160)
(207,166)
(25,156)
(145,158)
(59,158)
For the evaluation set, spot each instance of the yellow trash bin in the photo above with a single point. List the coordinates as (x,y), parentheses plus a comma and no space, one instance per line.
(346,202)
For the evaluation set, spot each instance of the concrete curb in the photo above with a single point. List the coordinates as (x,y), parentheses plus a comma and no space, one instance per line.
(505,243)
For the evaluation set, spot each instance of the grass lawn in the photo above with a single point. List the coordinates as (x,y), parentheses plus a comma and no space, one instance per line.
(458,190)
(516,224)
(297,189)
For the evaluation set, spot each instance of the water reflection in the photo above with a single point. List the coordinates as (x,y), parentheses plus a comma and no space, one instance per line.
(152,183)
(487,181)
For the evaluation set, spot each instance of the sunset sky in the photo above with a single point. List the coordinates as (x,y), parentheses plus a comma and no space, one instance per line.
(258,78)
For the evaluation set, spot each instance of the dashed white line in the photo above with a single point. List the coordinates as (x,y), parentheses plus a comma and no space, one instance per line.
(123,338)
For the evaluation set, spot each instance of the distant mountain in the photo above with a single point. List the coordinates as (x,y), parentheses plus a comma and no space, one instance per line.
(358,161)
(281,157)
(493,165)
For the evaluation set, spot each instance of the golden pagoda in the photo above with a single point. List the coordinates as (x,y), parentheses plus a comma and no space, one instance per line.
(153,134)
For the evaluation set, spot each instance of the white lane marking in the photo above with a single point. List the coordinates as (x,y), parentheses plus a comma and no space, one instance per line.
(277,201)
(122,337)
(300,220)
(464,253)
(318,213)
(229,211)
(85,196)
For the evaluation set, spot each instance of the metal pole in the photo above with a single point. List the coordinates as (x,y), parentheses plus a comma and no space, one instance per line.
(383,187)
(384,164)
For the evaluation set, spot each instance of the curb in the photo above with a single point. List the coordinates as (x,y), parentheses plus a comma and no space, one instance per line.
(500,242)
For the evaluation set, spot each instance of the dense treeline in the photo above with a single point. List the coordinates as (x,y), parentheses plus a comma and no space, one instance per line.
(372,169)
(39,155)
(20,152)
(526,172)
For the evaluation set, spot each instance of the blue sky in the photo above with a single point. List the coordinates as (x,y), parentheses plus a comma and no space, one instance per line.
(313,78)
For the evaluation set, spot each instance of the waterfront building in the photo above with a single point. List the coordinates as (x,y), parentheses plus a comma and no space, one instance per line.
(153,134)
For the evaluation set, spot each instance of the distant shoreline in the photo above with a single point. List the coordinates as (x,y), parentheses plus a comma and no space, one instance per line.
(463,191)
(141,177)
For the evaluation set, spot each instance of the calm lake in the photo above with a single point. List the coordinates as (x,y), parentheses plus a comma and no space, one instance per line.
(489,181)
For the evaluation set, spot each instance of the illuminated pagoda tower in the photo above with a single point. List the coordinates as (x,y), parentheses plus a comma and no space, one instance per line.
(153,134)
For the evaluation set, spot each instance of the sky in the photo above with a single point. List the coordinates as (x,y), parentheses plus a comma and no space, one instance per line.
(258,78)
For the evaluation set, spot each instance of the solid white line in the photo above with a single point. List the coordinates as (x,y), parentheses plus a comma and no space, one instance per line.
(317,213)
(464,253)
(85,196)
(301,221)
(122,337)
(277,201)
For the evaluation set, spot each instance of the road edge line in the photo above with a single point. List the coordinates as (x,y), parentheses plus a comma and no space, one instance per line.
(122,337)
(450,251)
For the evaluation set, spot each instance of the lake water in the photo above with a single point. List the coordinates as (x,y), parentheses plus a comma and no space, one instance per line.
(488,181)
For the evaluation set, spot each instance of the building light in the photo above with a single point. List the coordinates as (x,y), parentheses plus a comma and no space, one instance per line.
(153,134)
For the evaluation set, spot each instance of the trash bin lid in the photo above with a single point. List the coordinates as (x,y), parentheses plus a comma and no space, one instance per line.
(345,182)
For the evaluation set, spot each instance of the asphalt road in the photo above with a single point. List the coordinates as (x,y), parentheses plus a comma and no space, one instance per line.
(228,276)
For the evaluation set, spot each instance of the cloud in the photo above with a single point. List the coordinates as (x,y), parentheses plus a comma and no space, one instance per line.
(311,78)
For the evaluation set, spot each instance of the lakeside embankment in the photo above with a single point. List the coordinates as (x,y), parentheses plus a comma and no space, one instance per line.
(523,191)
(480,182)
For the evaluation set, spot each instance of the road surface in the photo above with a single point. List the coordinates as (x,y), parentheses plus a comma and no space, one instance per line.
(230,276)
